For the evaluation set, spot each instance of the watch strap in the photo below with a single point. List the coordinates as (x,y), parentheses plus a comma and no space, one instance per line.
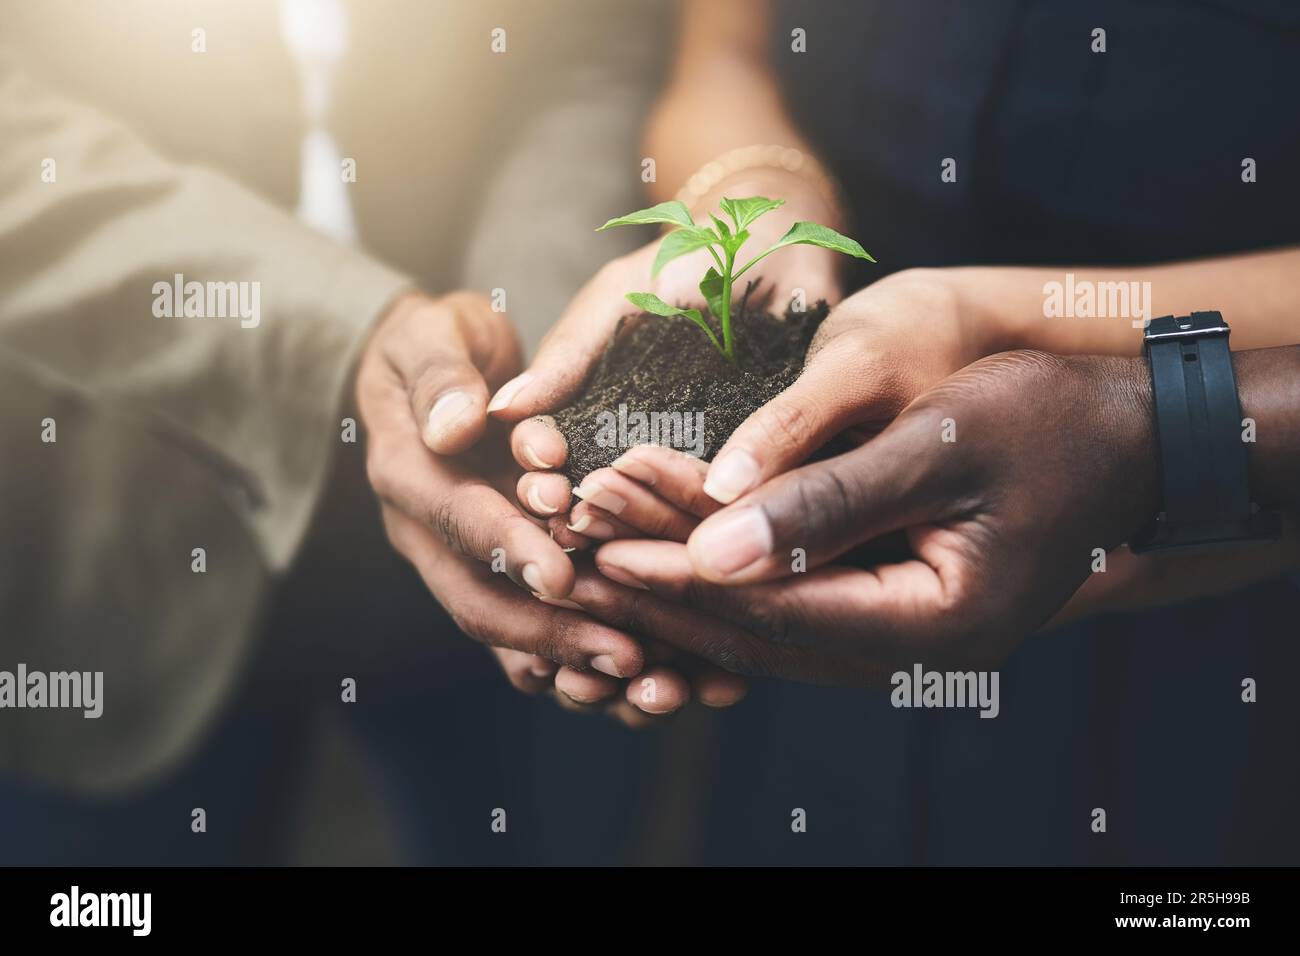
(1205,491)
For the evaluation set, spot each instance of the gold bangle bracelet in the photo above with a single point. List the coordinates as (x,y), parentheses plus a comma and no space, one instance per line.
(707,177)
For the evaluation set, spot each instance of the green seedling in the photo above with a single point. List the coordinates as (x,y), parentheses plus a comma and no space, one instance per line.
(723,242)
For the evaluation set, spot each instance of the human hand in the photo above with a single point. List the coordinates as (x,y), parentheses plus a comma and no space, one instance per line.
(431,361)
(1052,458)
(422,387)
(873,354)
(577,341)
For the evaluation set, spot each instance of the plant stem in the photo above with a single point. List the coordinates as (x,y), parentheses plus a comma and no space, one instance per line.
(725,318)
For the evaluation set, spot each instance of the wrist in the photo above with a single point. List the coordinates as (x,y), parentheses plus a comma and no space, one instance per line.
(821,271)
(984,319)
(1267,388)
(780,172)
(1120,413)
(1012,308)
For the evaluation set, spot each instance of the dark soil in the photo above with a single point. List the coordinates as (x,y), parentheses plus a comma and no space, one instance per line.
(654,364)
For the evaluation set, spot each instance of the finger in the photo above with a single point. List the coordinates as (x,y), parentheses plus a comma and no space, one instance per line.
(635,505)
(675,476)
(444,354)
(659,690)
(577,707)
(544,493)
(538,445)
(500,615)
(568,540)
(585,687)
(711,685)
(806,517)
(839,387)
(466,513)
(597,524)
(628,715)
(572,346)
(635,610)
(526,672)
(800,627)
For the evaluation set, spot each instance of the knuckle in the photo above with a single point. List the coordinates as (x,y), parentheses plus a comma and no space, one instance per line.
(826,504)
(559,642)
(843,330)
(510,529)
(428,376)
(699,594)
(661,523)
(788,422)
(730,657)
(548,644)
(746,657)
(441,517)
(634,612)
(770,620)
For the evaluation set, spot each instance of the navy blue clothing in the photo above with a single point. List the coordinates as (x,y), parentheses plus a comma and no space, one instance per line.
(1064,156)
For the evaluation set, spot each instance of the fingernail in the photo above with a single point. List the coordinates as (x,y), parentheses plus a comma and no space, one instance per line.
(531,456)
(558,602)
(622,575)
(731,475)
(507,392)
(532,576)
(446,411)
(729,542)
(605,664)
(636,470)
(537,502)
(601,497)
(593,528)
(542,669)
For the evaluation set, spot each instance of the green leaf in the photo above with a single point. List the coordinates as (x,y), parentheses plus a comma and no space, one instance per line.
(733,244)
(745,211)
(671,212)
(711,289)
(810,233)
(649,302)
(724,232)
(679,243)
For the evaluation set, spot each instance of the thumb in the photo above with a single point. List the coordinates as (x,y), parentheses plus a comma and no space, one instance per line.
(825,508)
(574,344)
(840,386)
(445,356)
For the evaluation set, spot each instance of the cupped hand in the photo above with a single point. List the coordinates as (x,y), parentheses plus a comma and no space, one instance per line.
(877,351)
(874,353)
(442,482)
(572,347)
(1005,480)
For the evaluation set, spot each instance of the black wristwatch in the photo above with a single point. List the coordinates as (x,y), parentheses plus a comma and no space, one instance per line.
(1205,493)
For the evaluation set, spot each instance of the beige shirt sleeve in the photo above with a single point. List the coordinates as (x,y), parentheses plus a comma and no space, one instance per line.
(81,257)
(174,431)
